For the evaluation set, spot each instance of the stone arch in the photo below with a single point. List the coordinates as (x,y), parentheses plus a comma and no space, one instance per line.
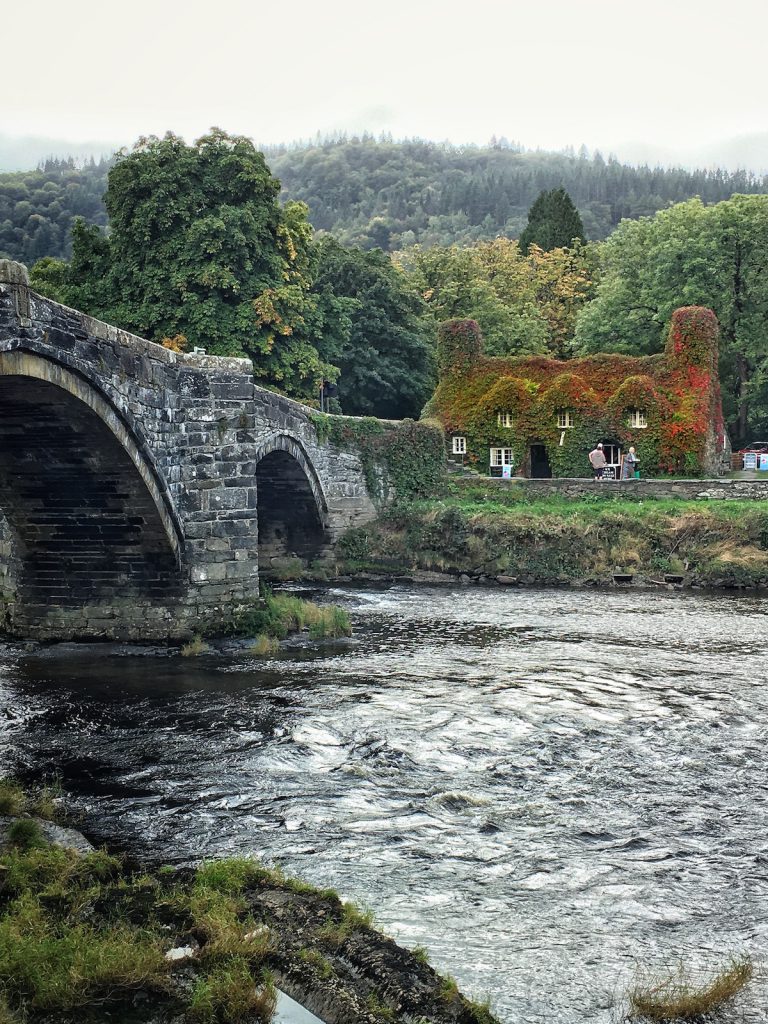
(26,364)
(291,504)
(94,534)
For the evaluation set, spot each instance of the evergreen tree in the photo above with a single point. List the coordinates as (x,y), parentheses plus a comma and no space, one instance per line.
(553,222)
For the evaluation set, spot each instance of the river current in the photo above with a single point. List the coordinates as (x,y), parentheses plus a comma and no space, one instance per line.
(545,788)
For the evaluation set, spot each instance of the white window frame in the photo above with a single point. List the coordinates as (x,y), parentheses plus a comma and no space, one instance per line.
(504,419)
(502,457)
(565,419)
(638,419)
(459,445)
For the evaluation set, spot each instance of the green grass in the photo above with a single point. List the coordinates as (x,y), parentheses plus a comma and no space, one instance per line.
(12,797)
(321,964)
(195,648)
(277,615)
(380,1009)
(75,931)
(228,994)
(25,833)
(491,531)
(680,996)
(353,919)
(264,646)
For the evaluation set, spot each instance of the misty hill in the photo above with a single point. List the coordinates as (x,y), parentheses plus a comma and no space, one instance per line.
(37,207)
(372,192)
(22,152)
(392,194)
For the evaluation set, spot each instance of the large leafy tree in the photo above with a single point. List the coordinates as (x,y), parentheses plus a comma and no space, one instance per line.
(524,304)
(199,246)
(553,222)
(373,328)
(692,254)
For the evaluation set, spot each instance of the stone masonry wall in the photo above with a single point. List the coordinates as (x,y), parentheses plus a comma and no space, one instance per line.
(702,490)
(196,428)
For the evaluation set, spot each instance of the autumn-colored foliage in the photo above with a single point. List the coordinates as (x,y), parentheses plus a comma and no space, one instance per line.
(678,392)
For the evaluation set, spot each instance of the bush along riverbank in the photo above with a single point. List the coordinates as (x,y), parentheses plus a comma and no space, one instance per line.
(87,937)
(478,532)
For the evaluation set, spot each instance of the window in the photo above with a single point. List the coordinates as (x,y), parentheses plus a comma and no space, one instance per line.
(638,418)
(502,457)
(459,446)
(504,419)
(565,419)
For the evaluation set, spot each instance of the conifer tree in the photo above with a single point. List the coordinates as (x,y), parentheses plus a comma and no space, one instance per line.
(553,222)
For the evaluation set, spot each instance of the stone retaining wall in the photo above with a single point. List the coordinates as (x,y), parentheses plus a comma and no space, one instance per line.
(701,490)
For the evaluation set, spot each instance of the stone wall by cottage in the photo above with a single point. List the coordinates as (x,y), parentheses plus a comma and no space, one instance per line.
(689,490)
(130,477)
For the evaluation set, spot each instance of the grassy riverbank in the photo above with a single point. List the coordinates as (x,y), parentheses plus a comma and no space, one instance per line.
(86,937)
(476,528)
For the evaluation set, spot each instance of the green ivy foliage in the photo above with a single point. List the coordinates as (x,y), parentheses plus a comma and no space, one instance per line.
(401,460)
(678,393)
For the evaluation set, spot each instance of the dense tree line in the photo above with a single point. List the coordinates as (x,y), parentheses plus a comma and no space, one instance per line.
(370,192)
(200,252)
(37,208)
(203,249)
(390,195)
(691,254)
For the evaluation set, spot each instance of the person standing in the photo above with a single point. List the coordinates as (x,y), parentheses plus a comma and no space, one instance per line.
(628,465)
(597,460)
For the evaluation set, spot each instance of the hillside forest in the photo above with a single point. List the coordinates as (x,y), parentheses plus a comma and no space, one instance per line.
(344,272)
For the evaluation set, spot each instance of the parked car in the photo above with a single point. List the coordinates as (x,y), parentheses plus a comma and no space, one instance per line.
(756,446)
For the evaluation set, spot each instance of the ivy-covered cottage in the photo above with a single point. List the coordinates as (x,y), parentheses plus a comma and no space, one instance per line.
(535,416)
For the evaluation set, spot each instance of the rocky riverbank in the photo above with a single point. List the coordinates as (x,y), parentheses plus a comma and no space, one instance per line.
(86,936)
(480,533)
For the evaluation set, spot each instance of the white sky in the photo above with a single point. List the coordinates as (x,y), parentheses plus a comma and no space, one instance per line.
(675,73)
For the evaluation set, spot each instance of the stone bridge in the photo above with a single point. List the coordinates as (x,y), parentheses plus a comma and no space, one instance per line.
(140,488)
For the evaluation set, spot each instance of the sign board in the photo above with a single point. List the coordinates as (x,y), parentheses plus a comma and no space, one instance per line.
(506,472)
(750,460)
(762,461)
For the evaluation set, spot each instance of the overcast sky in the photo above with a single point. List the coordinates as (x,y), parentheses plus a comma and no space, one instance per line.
(677,74)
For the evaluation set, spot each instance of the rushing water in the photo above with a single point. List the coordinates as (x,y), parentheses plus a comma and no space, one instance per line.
(544,788)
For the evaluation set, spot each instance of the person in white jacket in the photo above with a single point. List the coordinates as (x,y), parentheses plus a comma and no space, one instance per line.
(597,459)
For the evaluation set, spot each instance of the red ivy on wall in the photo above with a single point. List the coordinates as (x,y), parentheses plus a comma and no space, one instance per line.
(678,390)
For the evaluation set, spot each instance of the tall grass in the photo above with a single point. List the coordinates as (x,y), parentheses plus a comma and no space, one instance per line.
(681,997)
(277,615)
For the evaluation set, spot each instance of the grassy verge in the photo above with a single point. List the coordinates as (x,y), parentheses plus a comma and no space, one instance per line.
(475,528)
(83,938)
(43,802)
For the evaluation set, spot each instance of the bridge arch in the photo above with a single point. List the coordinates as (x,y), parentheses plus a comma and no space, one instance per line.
(291,503)
(92,524)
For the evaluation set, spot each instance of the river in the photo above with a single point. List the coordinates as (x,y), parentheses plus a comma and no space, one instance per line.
(545,788)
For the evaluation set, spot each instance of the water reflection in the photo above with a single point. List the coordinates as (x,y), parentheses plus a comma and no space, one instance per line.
(538,786)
